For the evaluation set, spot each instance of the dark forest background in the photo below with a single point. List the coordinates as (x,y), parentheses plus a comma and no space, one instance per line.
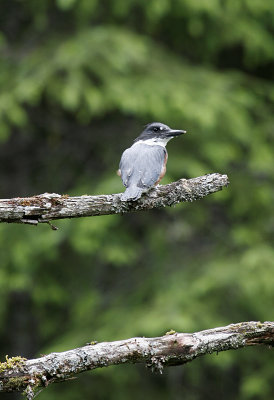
(78,81)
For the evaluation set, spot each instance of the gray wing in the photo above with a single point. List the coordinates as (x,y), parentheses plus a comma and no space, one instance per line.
(141,165)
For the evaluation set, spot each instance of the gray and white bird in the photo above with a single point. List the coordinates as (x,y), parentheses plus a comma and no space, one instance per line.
(143,165)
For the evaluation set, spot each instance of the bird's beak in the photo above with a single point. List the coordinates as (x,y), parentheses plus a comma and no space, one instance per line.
(175,132)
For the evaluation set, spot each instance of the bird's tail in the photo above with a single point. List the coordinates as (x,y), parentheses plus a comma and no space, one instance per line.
(132,193)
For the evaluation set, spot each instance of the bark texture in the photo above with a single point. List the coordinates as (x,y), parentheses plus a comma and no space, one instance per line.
(50,206)
(172,349)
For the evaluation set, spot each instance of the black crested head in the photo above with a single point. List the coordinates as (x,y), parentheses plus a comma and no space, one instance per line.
(158,130)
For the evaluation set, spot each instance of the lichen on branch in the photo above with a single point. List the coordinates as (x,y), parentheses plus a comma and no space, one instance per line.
(46,207)
(156,353)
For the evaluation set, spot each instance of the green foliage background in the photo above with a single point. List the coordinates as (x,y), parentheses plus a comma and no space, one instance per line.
(78,80)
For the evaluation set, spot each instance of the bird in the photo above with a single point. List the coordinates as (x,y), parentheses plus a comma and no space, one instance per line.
(143,164)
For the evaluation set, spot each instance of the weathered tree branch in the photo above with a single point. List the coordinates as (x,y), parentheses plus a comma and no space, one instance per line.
(50,206)
(174,348)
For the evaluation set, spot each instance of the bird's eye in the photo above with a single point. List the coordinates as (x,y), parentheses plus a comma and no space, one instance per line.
(155,128)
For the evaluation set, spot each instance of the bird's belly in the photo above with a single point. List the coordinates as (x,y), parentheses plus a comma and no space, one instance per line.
(163,171)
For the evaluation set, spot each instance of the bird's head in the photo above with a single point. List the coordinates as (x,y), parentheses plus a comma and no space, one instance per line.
(158,132)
